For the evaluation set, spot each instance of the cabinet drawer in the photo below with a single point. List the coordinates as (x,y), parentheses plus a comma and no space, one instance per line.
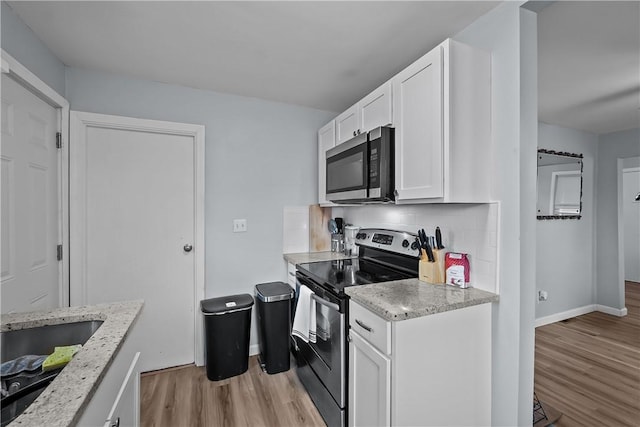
(370,326)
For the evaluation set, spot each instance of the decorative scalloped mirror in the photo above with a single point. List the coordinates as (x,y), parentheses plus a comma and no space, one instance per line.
(559,185)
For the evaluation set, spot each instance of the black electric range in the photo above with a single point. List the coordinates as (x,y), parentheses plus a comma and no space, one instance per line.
(384,255)
(340,274)
(322,365)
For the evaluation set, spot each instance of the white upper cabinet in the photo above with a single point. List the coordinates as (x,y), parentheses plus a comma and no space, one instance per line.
(372,111)
(375,109)
(347,125)
(442,115)
(418,119)
(440,107)
(326,140)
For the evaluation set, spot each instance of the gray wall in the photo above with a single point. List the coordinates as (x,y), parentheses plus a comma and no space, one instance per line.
(259,157)
(565,248)
(20,42)
(501,32)
(610,280)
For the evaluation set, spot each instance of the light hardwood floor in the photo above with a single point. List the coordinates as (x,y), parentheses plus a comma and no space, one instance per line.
(588,367)
(184,397)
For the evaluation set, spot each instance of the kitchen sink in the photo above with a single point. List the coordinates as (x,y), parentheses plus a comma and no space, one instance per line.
(20,390)
(43,339)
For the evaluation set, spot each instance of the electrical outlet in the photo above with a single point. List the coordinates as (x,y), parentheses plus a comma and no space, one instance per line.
(542,295)
(239,225)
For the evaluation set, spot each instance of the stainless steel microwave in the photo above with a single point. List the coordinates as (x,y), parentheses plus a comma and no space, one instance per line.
(360,170)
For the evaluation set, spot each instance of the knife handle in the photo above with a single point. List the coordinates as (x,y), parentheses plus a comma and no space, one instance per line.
(430,256)
(439,238)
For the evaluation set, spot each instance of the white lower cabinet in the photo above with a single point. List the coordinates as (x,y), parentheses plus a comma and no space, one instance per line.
(116,402)
(126,408)
(433,370)
(369,384)
(291,274)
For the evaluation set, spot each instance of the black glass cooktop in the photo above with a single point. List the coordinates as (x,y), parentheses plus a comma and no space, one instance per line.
(340,274)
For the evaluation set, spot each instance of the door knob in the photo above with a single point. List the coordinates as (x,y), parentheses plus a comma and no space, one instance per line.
(188,248)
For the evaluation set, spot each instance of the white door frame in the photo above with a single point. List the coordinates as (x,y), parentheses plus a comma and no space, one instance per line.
(79,122)
(31,82)
(621,281)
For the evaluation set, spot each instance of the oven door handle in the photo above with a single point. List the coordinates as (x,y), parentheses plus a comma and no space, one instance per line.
(323,301)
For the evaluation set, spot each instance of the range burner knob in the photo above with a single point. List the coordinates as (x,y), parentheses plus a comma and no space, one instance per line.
(361,236)
(405,243)
(415,245)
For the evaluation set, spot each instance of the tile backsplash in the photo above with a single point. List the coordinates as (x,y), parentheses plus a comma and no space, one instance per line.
(469,228)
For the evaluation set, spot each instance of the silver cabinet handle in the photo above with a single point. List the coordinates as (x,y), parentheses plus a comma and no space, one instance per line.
(188,248)
(363,326)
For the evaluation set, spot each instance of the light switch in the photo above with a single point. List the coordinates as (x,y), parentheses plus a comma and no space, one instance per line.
(239,225)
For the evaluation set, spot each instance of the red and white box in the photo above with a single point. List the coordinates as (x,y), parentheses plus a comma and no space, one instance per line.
(456,268)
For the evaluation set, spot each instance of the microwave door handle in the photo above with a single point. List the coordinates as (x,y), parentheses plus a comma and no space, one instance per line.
(367,157)
(325,302)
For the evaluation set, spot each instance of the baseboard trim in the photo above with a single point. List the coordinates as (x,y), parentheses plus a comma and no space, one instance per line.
(620,312)
(557,317)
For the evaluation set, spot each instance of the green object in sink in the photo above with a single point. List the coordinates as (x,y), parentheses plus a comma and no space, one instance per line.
(60,357)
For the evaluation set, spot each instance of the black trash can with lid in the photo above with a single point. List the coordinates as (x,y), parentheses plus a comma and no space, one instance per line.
(227,327)
(273,308)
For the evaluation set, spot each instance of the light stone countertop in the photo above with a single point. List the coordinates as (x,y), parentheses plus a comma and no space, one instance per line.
(411,298)
(304,257)
(64,400)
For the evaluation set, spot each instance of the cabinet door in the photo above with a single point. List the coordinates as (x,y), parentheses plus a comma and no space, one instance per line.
(347,125)
(369,384)
(326,140)
(375,109)
(126,408)
(291,274)
(418,116)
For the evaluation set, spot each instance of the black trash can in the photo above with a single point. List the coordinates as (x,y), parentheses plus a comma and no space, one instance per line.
(227,326)
(274,325)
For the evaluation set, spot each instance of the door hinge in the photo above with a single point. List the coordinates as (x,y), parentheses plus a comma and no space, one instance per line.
(59,252)
(58,140)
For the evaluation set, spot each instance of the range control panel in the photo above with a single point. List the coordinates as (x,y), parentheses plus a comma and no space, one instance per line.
(400,242)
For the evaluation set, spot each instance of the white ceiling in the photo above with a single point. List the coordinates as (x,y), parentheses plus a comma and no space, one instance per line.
(324,55)
(327,55)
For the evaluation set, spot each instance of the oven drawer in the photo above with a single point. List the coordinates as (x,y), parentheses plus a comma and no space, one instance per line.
(370,326)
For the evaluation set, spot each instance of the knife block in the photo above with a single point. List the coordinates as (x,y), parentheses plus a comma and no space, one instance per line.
(432,272)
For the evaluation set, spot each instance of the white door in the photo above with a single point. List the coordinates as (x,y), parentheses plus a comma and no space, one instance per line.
(369,384)
(134,228)
(30,221)
(631,214)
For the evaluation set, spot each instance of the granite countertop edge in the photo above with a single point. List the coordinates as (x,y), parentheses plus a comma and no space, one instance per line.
(410,298)
(64,400)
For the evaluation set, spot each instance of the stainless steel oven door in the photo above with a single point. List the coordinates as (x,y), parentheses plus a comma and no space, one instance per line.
(327,356)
